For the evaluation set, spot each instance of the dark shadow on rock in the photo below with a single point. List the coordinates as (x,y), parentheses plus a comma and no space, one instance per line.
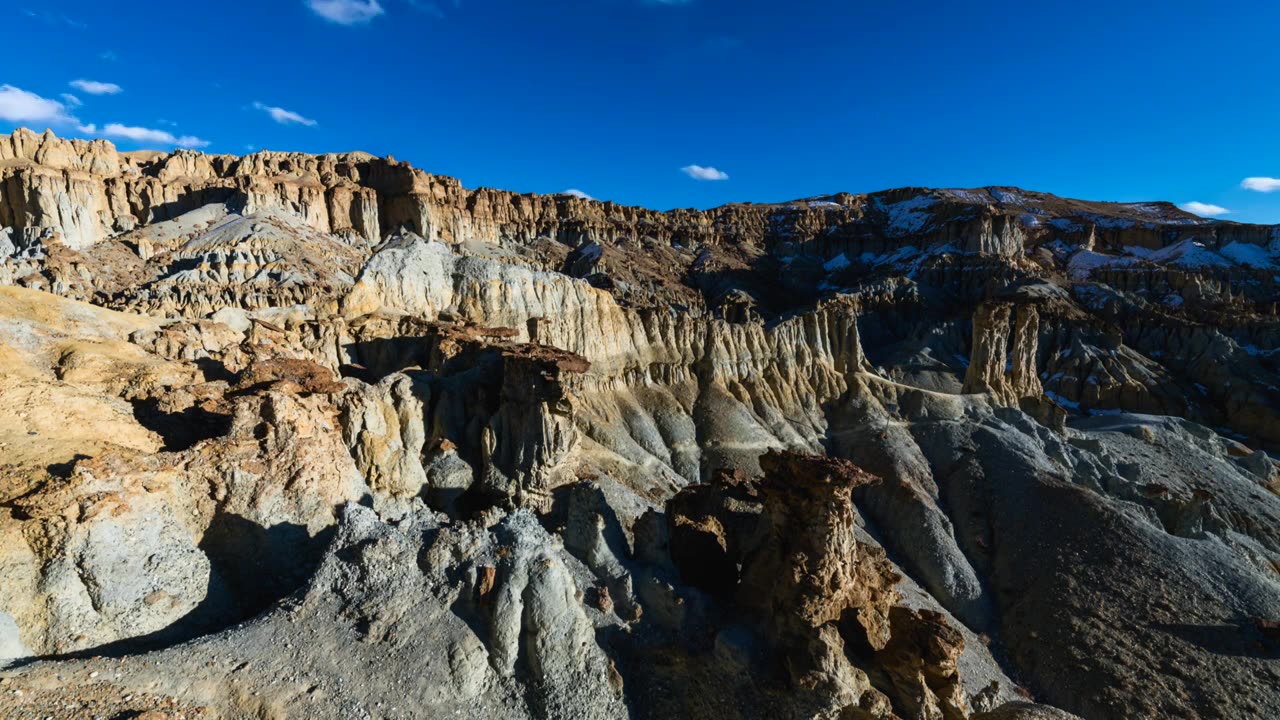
(253,568)
(198,198)
(214,613)
(63,469)
(771,291)
(214,370)
(181,430)
(381,357)
(261,565)
(1232,640)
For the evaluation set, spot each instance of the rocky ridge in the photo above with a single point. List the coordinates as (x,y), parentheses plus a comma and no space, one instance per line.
(917,454)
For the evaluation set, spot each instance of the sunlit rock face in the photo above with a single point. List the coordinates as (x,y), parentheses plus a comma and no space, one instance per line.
(327,434)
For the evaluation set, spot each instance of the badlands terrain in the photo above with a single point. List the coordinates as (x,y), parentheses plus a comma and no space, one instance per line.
(326,436)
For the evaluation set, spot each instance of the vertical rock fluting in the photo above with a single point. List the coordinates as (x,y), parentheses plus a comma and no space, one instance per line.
(531,434)
(1002,363)
(1024,378)
(383,427)
(987,358)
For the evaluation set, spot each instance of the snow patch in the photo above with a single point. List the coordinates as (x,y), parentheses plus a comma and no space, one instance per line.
(1009,197)
(1065,403)
(1256,351)
(1083,263)
(839,262)
(1110,223)
(908,217)
(969,196)
(1188,254)
(1249,255)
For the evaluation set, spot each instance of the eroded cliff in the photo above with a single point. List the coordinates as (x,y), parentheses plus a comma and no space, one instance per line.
(915,454)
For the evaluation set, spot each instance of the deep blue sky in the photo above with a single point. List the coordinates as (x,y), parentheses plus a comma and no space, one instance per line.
(1117,100)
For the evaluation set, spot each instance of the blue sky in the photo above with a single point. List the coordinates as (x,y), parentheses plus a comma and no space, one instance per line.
(667,103)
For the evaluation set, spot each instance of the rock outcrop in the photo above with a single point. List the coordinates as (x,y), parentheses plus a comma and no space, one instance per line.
(328,436)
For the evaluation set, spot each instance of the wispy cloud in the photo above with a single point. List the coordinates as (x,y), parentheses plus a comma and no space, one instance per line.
(55,19)
(109,56)
(146,136)
(93,87)
(1261,184)
(577,193)
(346,12)
(1204,209)
(698,172)
(284,117)
(20,106)
(70,99)
(429,7)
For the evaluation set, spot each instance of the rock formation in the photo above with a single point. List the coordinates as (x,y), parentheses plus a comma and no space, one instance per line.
(328,436)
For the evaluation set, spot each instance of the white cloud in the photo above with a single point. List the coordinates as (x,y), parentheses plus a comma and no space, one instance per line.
(19,106)
(93,87)
(284,117)
(147,136)
(70,99)
(346,12)
(1204,209)
(697,172)
(577,193)
(1261,184)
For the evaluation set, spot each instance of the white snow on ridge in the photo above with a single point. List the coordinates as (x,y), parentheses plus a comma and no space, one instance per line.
(908,217)
(903,253)
(1250,255)
(1160,213)
(1110,223)
(839,262)
(1009,198)
(1085,262)
(1188,254)
(969,196)
(1151,209)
